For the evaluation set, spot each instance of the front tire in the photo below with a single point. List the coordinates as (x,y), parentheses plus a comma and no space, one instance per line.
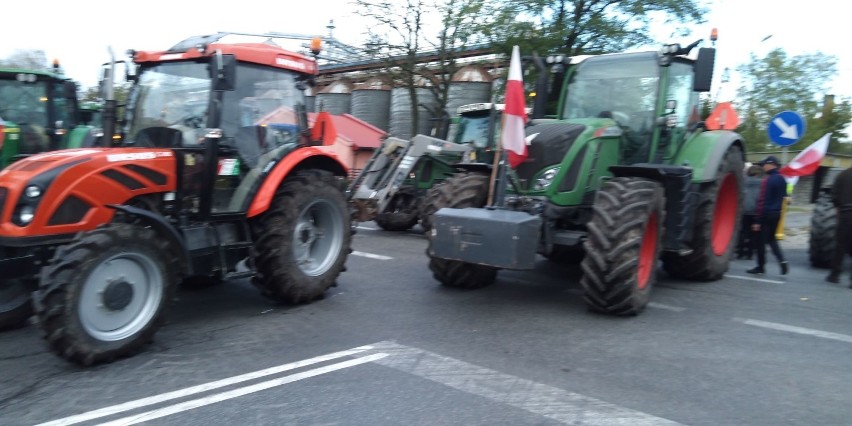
(303,240)
(623,246)
(104,295)
(717,222)
(458,192)
(823,227)
(401,214)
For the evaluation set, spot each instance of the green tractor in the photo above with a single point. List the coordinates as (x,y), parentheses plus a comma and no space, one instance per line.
(397,188)
(626,172)
(39,112)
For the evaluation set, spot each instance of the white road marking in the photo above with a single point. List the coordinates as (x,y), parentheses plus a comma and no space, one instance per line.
(371,255)
(224,396)
(656,305)
(760,280)
(366,228)
(536,398)
(156,399)
(797,330)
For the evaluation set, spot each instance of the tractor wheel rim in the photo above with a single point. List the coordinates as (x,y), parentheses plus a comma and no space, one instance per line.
(318,237)
(724,215)
(120,296)
(648,252)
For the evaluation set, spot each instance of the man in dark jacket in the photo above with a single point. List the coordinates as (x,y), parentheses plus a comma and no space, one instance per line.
(841,196)
(773,191)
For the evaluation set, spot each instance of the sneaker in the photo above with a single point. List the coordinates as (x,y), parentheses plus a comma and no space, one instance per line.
(784,268)
(758,270)
(833,278)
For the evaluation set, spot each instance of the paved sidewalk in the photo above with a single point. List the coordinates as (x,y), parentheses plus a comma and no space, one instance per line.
(797,226)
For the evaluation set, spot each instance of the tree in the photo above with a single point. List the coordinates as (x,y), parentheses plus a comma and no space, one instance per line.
(585,26)
(779,82)
(26,59)
(404,30)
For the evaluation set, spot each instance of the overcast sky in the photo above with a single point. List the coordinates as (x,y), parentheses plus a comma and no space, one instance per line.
(77,32)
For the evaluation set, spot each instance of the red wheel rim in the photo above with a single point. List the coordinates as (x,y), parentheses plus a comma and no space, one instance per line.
(648,252)
(725,215)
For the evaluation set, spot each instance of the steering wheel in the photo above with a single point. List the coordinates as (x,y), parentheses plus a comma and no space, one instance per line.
(193,121)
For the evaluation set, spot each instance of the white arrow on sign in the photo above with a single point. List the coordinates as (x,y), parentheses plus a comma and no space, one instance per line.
(788,131)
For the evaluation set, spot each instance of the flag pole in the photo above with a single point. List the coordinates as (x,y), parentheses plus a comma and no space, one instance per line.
(496,167)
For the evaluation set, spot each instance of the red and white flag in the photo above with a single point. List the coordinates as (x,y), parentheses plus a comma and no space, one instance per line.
(515,113)
(808,161)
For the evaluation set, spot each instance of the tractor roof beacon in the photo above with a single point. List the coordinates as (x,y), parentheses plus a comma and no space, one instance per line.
(623,176)
(216,174)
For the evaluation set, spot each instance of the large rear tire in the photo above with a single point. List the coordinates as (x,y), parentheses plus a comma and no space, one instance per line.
(104,295)
(15,304)
(823,227)
(461,191)
(402,211)
(623,246)
(428,206)
(303,240)
(717,223)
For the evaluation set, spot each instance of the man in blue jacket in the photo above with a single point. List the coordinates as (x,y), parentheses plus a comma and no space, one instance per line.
(773,191)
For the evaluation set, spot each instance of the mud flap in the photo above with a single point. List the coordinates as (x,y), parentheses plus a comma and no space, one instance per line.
(500,238)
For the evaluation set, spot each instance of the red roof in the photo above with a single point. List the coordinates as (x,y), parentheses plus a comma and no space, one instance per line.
(357,132)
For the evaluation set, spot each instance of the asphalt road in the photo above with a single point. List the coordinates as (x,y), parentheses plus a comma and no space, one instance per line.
(389,346)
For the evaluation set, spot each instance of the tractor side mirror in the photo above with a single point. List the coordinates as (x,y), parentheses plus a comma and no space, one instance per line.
(704,69)
(224,71)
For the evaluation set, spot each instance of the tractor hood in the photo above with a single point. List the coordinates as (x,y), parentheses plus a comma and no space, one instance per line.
(547,145)
(61,191)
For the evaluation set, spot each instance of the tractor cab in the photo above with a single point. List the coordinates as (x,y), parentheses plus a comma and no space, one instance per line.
(229,120)
(42,105)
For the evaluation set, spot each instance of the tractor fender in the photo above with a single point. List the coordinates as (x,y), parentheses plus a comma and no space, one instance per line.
(705,151)
(163,227)
(309,157)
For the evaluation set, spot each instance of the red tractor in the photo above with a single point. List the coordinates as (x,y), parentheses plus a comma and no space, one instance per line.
(217,175)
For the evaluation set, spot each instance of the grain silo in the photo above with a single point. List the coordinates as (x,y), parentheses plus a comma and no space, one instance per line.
(400,112)
(371,102)
(335,98)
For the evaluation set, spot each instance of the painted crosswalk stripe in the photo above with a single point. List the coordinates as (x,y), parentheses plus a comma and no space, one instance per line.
(797,330)
(371,255)
(224,396)
(547,401)
(156,399)
(760,280)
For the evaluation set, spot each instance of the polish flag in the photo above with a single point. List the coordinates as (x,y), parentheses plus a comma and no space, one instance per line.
(808,161)
(515,113)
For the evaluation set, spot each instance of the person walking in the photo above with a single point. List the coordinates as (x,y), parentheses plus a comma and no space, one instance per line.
(773,191)
(841,197)
(747,238)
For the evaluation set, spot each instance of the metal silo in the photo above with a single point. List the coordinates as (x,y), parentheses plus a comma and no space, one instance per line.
(400,112)
(335,98)
(371,102)
(470,84)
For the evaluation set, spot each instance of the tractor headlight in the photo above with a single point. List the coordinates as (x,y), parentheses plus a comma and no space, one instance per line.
(24,215)
(546,178)
(32,192)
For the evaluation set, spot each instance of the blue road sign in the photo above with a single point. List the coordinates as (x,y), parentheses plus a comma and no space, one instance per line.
(786,128)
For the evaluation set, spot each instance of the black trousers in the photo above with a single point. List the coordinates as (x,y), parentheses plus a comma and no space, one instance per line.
(746,239)
(843,241)
(766,235)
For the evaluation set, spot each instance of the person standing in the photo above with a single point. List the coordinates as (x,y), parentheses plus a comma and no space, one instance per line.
(841,197)
(773,191)
(747,238)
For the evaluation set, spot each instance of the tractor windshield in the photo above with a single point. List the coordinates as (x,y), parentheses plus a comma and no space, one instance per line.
(473,129)
(25,101)
(622,87)
(257,116)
